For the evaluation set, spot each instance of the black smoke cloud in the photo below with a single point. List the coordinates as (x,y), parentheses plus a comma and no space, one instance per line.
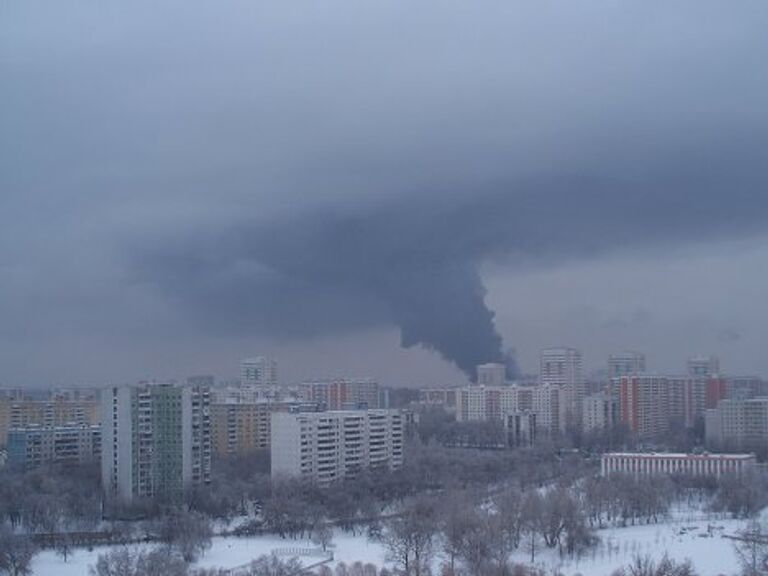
(300,171)
(415,265)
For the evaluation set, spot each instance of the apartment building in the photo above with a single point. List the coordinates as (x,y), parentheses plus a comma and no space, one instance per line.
(156,440)
(626,364)
(325,447)
(478,403)
(562,367)
(738,424)
(641,464)
(19,410)
(35,446)
(445,397)
(648,403)
(703,366)
(492,374)
(239,427)
(342,393)
(599,412)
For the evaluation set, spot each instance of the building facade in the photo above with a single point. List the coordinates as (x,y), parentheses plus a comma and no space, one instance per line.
(640,464)
(478,403)
(492,374)
(156,441)
(650,403)
(738,424)
(35,446)
(562,367)
(599,412)
(325,447)
(258,371)
(342,393)
(57,409)
(239,428)
(626,364)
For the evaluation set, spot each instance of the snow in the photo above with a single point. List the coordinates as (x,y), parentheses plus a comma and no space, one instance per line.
(694,537)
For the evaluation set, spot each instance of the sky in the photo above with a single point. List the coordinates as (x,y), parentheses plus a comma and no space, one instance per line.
(398,189)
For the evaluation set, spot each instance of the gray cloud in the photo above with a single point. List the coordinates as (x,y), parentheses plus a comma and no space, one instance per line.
(301,172)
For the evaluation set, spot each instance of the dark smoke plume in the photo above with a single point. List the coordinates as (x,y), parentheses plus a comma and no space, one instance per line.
(415,265)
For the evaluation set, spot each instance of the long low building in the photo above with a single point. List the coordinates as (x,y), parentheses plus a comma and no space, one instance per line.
(648,464)
(34,446)
(325,447)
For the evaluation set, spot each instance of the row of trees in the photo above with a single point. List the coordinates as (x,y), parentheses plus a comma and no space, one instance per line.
(478,534)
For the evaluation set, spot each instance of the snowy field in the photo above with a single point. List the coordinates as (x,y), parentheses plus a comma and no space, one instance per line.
(700,540)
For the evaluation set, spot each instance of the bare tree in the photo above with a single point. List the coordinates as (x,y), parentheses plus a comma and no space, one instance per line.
(16,553)
(188,532)
(751,548)
(323,536)
(273,565)
(126,561)
(409,538)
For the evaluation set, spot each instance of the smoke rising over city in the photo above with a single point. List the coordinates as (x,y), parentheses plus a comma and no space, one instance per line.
(243,171)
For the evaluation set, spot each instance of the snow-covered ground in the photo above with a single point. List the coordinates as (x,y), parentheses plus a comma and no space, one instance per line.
(693,537)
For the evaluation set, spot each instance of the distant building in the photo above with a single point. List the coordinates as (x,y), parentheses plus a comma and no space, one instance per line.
(562,367)
(625,364)
(738,424)
(745,387)
(491,374)
(599,412)
(156,441)
(445,397)
(239,428)
(703,366)
(34,446)
(342,393)
(61,408)
(259,371)
(642,464)
(325,447)
(478,403)
(649,403)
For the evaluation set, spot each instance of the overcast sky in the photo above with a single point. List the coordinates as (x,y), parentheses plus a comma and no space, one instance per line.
(183,184)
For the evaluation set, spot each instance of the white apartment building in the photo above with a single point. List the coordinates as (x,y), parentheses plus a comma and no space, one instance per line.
(259,371)
(740,424)
(491,374)
(625,364)
(479,403)
(562,367)
(326,447)
(599,412)
(640,464)
(703,366)
(156,440)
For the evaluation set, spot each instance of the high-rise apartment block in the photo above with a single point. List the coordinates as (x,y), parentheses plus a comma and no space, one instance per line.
(35,446)
(626,364)
(325,447)
(648,403)
(238,428)
(599,412)
(562,367)
(156,441)
(342,393)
